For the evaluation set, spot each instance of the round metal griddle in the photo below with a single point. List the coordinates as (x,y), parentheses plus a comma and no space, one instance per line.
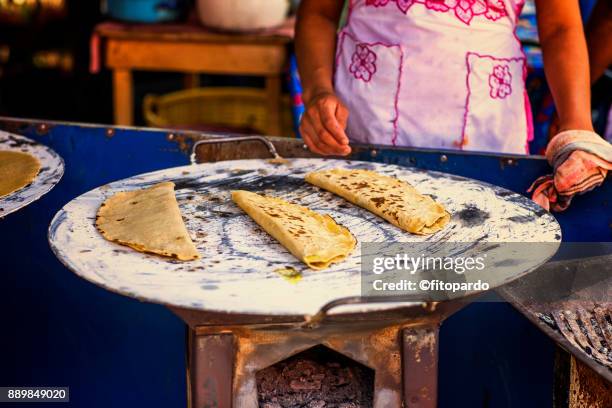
(238,269)
(51,171)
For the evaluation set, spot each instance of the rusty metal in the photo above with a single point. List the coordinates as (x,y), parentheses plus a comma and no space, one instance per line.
(399,343)
(420,366)
(386,304)
(211,366)
(185,141)
(561,379)
(42,129)
(587,389)
(588,326)
(579,321)
(218,150)
(236,140)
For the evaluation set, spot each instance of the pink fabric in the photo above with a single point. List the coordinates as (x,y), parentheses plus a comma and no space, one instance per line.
(500,82)
(581,161)
(464,10)
(363,64)
(489,83)
(363,69)
(401,70)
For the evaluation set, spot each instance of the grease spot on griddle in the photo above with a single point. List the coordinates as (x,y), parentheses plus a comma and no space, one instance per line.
(523,219)
(472,216)
(290,274)
(503,193)
(507,262)
(541,212)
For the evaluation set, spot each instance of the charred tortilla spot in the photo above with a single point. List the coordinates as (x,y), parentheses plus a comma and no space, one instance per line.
(378,201)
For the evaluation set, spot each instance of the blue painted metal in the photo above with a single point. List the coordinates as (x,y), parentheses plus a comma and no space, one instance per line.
(58,329)
(112,351)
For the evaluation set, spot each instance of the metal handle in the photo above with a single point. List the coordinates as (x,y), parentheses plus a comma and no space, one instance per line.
(316,319)
(262,139)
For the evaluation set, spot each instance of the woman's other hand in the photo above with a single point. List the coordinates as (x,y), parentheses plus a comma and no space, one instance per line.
(323,125)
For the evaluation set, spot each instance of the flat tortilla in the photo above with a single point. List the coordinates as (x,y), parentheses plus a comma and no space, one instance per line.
(394,200)
(147,220)
(17,170)
(315,239)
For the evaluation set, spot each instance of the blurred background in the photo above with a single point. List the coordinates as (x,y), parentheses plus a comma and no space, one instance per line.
(234,68)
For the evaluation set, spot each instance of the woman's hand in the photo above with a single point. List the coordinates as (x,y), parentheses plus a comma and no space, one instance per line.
(323,124)
(324,121)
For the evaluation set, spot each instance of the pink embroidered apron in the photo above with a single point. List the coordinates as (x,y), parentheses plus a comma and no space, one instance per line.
(434,73)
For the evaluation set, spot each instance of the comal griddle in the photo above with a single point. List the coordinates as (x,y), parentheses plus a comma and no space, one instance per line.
(245,316)
(51,171)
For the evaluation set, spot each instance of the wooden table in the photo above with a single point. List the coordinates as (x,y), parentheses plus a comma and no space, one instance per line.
(190,49)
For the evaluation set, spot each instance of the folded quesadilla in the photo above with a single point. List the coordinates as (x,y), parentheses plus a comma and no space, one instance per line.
(315,239)
(394,200)
(147,220)
(17,170)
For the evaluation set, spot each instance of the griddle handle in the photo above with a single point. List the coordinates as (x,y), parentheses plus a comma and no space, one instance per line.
(232,139)
(316,319)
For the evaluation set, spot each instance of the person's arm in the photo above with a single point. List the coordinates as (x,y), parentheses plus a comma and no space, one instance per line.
(566,62)
(599,38)
(324,120)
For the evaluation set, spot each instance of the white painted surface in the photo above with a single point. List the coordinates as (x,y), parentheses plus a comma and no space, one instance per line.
(52,169)
(237,269)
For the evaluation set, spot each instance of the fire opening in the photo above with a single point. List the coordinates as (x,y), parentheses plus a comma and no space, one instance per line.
(316,378)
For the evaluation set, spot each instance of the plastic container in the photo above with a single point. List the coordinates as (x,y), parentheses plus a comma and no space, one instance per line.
(239,110)
(242,15)
(145,11)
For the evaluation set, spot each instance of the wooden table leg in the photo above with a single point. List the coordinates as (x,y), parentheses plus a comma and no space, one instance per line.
(273,91)
(123,97)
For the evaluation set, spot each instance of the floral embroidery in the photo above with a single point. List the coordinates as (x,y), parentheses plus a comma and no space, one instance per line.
(495,10)
(377,3)
(437,5)
(404,5)
(465,10)
(363,63)
(500,82)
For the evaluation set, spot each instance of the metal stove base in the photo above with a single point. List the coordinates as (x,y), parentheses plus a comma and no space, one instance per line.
(223,359)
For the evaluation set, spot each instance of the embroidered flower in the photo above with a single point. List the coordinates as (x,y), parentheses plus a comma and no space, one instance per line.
(500,82)
(377,3)
(496,10)
(363,63)
(404,5)
(465,10)
(437,5)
